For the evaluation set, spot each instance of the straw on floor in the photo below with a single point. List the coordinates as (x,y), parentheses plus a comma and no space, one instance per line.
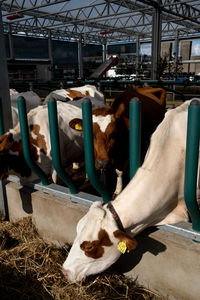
(31,269)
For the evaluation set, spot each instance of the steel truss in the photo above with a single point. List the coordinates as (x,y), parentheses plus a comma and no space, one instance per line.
(123,20)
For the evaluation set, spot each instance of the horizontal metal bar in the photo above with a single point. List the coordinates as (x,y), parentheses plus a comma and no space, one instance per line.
(183,229)
(59,191)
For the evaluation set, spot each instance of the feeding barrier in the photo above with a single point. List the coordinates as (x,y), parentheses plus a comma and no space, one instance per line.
(192,153)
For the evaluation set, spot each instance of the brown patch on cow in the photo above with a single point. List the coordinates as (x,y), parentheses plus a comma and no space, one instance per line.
(40,140)
(6,142)
(12,158)
(103,111)
(17,147)
(104,142)
(95,248)
(156,94)
(75,122)
(76,95)
(131,243)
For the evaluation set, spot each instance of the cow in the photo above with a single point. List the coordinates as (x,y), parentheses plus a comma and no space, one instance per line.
(76,93)
(71,142)
(107,230)
(15,116)
(32,101)
(111,131)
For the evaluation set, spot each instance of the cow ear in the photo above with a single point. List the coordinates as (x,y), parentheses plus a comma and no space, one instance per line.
(76,124)
(92,249)
(126,242)
(88,247)
(120,110)
(6,142)
(104,238)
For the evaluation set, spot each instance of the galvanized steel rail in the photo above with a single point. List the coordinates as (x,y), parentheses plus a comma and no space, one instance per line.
(191,167)
(134,136)
(26,141)
(55,145)
(89,150)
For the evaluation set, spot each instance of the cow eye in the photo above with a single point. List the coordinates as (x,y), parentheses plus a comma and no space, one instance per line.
(112,135)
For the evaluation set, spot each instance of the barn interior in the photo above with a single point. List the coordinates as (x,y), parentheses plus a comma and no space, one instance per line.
(115,45)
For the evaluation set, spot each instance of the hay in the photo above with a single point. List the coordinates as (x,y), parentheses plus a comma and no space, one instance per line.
(31,269)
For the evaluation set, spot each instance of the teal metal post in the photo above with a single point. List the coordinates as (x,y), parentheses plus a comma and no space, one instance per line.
(191,165)
(89,150)
(134,136)
(26,142)
(55,145)
(1,118)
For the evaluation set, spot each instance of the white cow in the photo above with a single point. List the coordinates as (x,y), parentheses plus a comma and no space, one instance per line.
(15,117)
(155,196)
(75,93)
(32,101)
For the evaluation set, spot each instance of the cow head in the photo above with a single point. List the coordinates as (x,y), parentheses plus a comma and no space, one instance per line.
(11,153)
(11,157)
(106,131)
(96,245)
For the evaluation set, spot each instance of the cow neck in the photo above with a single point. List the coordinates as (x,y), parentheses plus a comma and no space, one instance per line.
(115,216)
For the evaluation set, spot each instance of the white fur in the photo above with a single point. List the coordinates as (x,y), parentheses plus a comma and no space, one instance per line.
(86,90)
(102,121)
(32,99)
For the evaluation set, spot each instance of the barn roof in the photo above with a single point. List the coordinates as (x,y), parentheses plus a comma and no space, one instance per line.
(101,21)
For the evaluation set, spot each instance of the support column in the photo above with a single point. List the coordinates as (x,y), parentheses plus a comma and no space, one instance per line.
(80,58)
(104,51)
(137,54)
(156,40)
(50,52)
(5,96)
(4,83)
(176,45)
(10,39)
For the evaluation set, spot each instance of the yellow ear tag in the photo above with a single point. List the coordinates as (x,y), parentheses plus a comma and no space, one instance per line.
(122,247)
(78,127)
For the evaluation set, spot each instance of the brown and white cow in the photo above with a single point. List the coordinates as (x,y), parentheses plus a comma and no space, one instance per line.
(31,98)
(76,93)
(111,129)
(71,142)
(155,196)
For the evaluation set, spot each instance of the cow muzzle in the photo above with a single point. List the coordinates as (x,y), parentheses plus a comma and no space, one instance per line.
(71,276)
(67,275)
(101,164)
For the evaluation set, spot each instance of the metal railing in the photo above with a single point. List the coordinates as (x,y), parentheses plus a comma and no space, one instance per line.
(191,164)
(192,150)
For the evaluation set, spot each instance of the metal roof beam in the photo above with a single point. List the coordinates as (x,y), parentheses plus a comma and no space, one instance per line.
(14,7)
(179,12)
(179,9)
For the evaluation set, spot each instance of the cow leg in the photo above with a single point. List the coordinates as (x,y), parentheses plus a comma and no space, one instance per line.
(54,176)
(119,184)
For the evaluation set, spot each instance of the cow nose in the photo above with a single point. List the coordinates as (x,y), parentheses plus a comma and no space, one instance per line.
(65,274)
(101,164)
